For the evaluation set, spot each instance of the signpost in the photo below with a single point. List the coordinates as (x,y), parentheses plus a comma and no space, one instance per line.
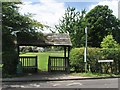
(106,61)
(85,50)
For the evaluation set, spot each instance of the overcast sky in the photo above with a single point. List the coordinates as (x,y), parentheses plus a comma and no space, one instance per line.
(49,12)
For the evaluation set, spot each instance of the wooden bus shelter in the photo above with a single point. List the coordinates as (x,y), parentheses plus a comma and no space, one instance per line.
(50,39)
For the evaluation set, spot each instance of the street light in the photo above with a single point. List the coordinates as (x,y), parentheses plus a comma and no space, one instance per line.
(85,50)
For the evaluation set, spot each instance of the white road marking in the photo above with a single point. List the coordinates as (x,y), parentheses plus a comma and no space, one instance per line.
(15,85)
(60,81)
(22,86)
(36,85)
(56,85)
(71,84)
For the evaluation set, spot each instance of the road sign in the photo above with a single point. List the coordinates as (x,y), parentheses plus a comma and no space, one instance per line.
(105,60)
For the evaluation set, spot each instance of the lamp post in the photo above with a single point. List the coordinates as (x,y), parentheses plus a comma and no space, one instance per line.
(85,50)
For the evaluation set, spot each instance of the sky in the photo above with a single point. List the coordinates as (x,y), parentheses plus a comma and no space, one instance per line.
(49,12)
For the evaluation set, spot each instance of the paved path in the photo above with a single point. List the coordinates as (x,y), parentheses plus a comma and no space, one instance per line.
(44,77)
(58,80)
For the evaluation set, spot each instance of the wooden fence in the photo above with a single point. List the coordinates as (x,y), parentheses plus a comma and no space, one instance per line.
(57,64)
(29,63)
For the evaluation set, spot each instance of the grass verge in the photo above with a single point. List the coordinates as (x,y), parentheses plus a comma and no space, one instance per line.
(89,74)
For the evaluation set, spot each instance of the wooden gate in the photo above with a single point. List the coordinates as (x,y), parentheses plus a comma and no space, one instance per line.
(29,63)
(57,64)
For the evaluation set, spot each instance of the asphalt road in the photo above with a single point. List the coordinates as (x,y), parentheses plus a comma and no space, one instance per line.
(91,83)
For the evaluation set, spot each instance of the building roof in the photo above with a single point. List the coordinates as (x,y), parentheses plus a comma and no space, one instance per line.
(50,39)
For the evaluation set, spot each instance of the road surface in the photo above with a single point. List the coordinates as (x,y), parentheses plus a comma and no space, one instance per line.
(91,83)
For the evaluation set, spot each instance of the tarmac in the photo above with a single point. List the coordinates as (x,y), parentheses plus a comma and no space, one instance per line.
(48,77)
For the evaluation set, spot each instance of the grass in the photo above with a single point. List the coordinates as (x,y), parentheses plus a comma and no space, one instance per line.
(89,74)
(43,58)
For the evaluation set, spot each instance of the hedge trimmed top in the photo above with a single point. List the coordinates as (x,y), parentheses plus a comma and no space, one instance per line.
(51,39)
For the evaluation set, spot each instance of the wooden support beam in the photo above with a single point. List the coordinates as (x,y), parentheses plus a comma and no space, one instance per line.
(68,68)
(18,49)
(68,52)
(36,69)
(65,58)
(65,52)
(18,52)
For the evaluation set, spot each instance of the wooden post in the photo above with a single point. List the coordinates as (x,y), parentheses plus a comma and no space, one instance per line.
(18,51)
(49,65)
(118,67)
(65,58)
(68,52)
(65,52)
(111,67)
(36,64)
(68,67)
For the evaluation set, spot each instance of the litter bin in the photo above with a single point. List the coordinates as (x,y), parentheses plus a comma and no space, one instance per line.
(19,68)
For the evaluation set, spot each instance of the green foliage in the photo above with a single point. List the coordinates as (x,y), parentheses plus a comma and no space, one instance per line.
(73,23)
(13,21)
(109,42)
(101,23)
(77,59)
(114,54)
(9,55)
(93,58)
(9,62)
(94,54)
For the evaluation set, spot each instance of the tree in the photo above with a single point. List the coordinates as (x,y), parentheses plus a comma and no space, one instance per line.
(101,22)
(109,42)
(74,24)
(13,21)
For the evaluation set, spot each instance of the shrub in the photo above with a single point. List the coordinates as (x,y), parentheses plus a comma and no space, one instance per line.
(9,62)
(92,59)
(113,54)
(94,54)
(9,55)
(77,59)
(109,42)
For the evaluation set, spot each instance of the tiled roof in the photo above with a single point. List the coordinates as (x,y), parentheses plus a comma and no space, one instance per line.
(51,39)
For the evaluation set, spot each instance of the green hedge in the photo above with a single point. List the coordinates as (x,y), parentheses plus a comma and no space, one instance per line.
(77,59)
(9,55)
(94,54)
(9,60)
(111,54)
